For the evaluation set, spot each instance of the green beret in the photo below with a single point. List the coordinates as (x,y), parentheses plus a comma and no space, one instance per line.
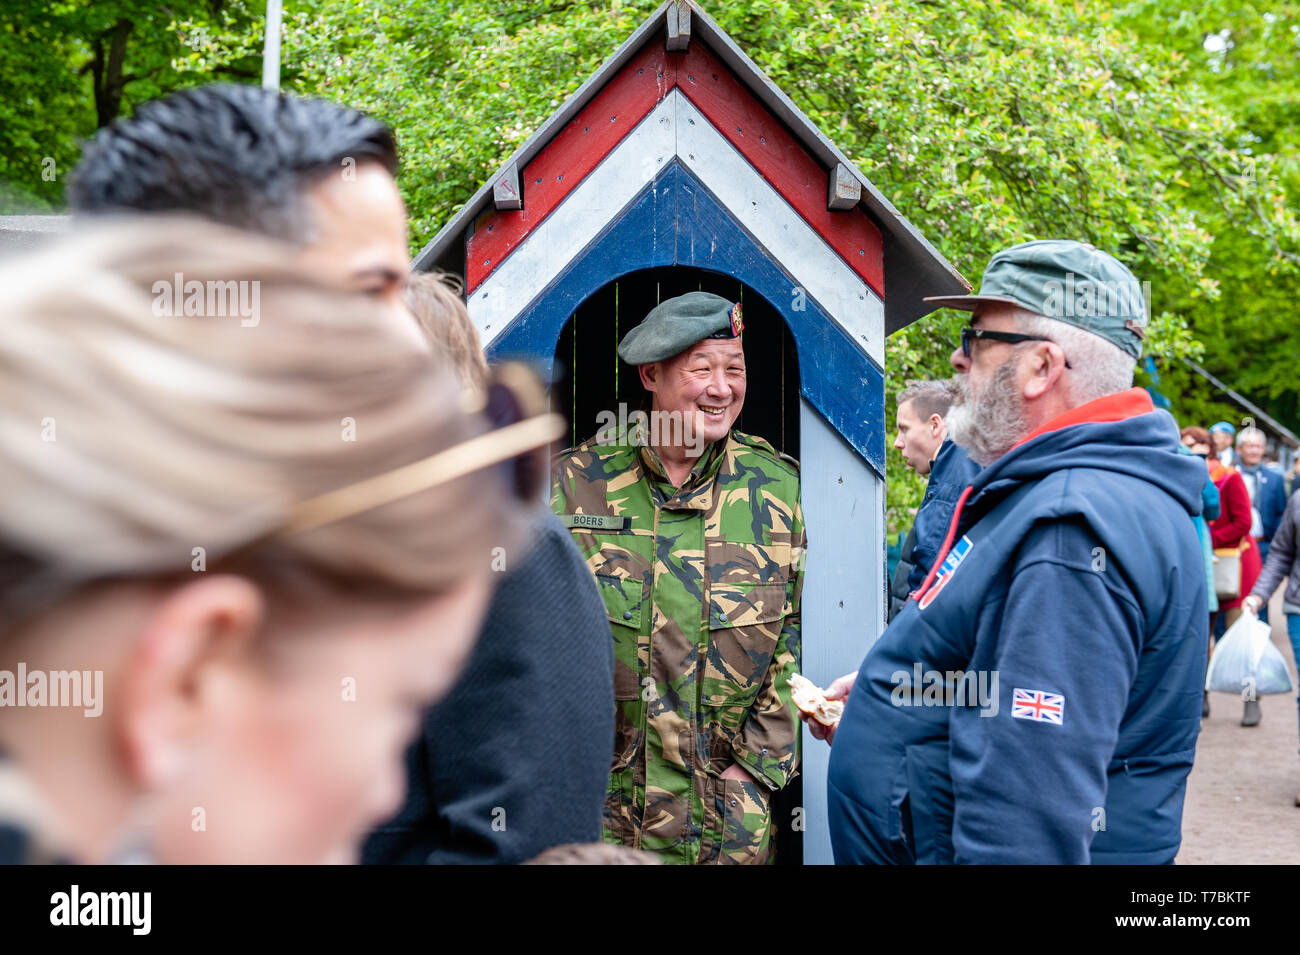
(676,324)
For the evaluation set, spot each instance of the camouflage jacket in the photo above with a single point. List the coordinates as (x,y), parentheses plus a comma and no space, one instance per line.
(702,584)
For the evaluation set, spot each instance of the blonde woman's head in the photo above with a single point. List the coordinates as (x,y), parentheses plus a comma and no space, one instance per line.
(157,438)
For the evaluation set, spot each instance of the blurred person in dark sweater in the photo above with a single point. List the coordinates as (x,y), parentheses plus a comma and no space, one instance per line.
(252,614)
(513,762)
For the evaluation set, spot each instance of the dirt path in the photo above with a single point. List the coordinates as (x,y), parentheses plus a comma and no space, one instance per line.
(1241,795)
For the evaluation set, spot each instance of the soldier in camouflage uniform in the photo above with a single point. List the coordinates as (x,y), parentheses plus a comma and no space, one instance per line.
(700,563)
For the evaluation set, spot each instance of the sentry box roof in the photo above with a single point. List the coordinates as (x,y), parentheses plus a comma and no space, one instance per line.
(680,152)
(679,47)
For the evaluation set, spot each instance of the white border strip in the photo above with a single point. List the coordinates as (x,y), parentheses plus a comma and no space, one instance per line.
(676,128)
(844,600)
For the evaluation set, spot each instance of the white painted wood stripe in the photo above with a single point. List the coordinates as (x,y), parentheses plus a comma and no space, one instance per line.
(677,128)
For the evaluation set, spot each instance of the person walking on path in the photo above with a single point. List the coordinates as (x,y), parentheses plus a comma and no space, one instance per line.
(1283,564)
(1221,435)
(1267,489)
(924,444)
(1231,531)
(1196,440)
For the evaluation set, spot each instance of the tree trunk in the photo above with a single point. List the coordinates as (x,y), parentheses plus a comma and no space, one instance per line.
(107,73)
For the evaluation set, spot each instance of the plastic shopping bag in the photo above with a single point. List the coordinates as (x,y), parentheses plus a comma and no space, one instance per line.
(1246,659)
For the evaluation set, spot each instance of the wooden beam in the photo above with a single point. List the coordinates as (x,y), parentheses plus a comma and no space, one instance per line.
(845,191)
(679,28)
(506,193)
(1254,409)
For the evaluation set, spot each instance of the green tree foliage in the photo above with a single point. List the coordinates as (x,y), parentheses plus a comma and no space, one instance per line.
(68,68)
(985,122)
(1244,56)
(463,84)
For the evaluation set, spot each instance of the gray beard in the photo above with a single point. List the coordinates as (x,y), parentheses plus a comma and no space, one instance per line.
(992,422)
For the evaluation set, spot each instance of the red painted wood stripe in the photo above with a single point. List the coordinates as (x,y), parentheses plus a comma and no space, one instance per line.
(567,159)
(782,161)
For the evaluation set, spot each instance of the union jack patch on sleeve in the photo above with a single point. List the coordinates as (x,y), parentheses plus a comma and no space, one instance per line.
(1037,705)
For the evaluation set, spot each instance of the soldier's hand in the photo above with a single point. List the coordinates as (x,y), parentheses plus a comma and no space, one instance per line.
(838,690)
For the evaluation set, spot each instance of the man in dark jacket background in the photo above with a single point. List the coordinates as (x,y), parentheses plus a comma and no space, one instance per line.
(1038,700)
(923,442)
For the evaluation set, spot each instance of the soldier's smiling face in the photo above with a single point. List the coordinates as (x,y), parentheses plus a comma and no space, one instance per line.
(705,384)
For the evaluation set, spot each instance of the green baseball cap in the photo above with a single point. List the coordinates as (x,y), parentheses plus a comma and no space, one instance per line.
(676,324)
(1068,281)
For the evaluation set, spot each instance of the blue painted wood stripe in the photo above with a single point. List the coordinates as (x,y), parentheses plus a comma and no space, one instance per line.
(676,221)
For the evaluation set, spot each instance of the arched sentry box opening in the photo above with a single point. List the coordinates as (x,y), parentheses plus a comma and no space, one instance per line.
(589,379)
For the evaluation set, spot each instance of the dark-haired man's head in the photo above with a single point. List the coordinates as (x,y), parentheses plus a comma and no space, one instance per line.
(308,171)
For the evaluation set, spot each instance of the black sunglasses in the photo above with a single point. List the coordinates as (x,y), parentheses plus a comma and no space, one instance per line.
(970,332)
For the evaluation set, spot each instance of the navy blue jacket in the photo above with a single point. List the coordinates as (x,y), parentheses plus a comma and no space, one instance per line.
(1075,579)
(950,473)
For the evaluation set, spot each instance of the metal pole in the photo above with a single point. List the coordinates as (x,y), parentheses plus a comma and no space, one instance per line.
(271,52)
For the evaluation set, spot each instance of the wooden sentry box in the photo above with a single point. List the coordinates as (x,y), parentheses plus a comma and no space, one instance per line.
(680,166)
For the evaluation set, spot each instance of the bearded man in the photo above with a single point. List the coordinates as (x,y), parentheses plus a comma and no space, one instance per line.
(1070,590)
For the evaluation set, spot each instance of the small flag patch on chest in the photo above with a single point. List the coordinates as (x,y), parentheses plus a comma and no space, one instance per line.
(946,570)
(1037,705)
